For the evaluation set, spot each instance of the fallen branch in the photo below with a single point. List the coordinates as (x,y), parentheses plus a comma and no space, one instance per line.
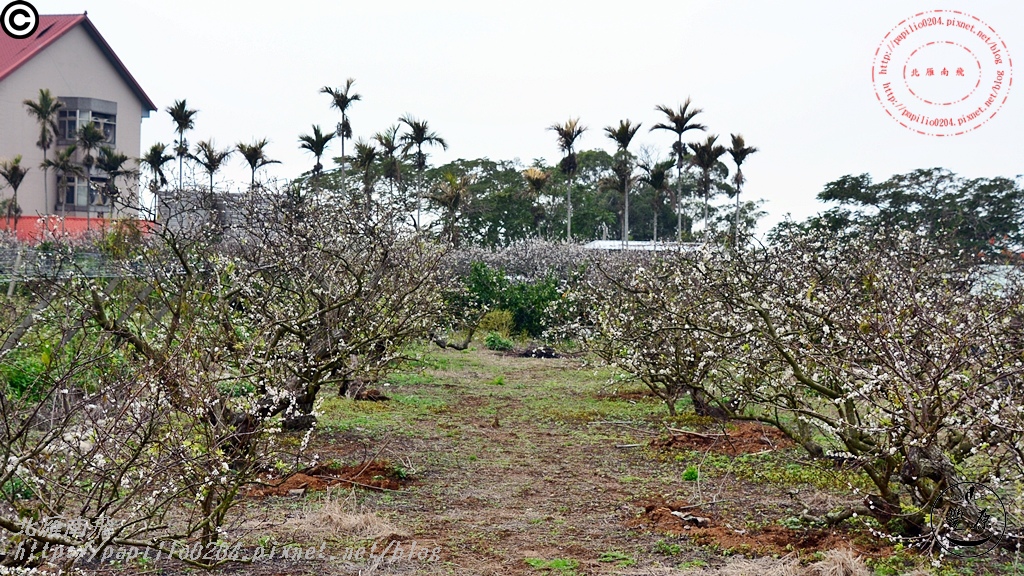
(628,425)
(674,431)
(692,506)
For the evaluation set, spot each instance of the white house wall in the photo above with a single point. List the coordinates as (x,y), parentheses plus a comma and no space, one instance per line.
(71,66)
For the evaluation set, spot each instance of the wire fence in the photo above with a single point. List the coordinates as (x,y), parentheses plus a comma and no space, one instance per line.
(28,264)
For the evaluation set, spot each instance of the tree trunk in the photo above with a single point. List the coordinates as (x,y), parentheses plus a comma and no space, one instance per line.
(736,221)
(88,197)
(46,186)
(679,199)
(625,211)
(568,210)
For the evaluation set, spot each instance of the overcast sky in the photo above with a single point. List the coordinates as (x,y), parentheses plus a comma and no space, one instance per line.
(794,77)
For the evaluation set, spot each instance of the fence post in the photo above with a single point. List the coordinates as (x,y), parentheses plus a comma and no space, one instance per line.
(14,274)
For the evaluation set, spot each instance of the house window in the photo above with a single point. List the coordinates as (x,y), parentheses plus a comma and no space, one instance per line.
(67,124)
(75,192)
(108,124)
(78,112)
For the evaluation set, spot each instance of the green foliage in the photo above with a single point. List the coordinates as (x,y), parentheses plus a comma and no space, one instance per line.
(236,388)
(123,239)
(668,548)
(495,341)
(15,489)
(620,559)
(500,321)
(22,376)
(504,210)
(900,562)
(401,472)
(691,473)
(982,215)
(792,522)
(528,302)
(564,566)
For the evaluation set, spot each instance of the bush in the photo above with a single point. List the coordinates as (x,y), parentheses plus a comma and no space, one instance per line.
(495,341)
(22,377)
(500,321)
(527,301)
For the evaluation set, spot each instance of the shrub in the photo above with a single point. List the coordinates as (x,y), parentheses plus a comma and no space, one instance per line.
(23,377)
(495,341)
(500,321)
(527,301)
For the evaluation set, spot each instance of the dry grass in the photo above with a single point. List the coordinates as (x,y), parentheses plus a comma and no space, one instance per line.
(332,516)
(840,563)
(835,563)
(761,567)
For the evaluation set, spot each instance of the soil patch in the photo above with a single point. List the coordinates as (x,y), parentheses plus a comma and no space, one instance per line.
(371,395)
(635,395)
(680,518)
(379,474)
(738,438)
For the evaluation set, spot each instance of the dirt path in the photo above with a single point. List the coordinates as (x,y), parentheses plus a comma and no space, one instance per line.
(531,461)
(510,465)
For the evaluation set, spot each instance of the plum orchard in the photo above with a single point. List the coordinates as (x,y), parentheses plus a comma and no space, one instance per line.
(888,349)
(143,402)
(656,318)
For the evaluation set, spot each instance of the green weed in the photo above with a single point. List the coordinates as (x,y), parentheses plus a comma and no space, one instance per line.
(566,567)
(495,341)
(620,559)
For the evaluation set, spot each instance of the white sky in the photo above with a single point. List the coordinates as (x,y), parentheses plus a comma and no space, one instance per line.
(794,77)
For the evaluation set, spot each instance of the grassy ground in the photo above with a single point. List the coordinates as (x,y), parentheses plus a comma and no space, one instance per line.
(545,466)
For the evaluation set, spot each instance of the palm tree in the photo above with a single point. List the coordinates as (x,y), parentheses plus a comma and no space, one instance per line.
(705,157)
(255,155)
(65,165)
(390,149)
(90,137)
(365,159)
(656,176)
(113,163)
(452,194)
(568,133)
(154,160)
(210,158)
(44,111)
(679,121)
(418,135)
(184,120)
(536,179)
(13,173)
(316,145)
(341,98)
(622,136)
(739,152)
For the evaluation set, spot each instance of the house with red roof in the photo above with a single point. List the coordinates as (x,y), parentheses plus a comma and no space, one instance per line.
(68,56)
